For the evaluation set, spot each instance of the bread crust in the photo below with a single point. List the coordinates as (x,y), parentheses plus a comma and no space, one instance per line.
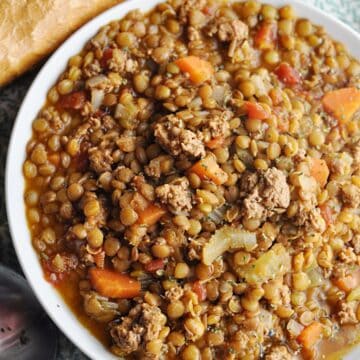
(31,29)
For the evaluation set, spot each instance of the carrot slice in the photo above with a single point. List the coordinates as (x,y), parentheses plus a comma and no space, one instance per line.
(255,111)
(114,285)
(310,335)
(208,168)
(287,74)
(266,36)
(342,103)
(319,170)
(215,142)
(151,215)
(349,282)
(199,70)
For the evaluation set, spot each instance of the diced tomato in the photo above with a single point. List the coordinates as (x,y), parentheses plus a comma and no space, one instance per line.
(74,100)
(266,36)
(154,265)
(287,74)
(327,213)
(215,143)
(209,10)
(256,111)
(200,290)
(107,55)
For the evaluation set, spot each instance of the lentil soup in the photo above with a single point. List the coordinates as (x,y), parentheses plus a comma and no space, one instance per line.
(193,185)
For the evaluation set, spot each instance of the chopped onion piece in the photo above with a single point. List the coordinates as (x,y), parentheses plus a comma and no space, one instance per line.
(96,81)
(97,97)
(294,328)
(354,295)
(217,215)
(225,239)
(269,265)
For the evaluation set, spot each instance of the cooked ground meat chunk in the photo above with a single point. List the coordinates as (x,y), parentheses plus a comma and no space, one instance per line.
(278,353)
(346,313)
(218,123)
(270,195)
(100,160)
(143,324)
(233,31)
(351,195)
(176,195)
(175,293)
(172,136)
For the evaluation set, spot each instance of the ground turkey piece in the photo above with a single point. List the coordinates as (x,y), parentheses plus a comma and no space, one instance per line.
(143,324)
(175,139)
(218,123)
(278,353)
(175,293)
(351,195)
(270,195)
(232,30)
(347,313)
(100,160)
(176,195)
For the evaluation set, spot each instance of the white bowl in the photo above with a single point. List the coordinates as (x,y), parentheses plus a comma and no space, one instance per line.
(34,100)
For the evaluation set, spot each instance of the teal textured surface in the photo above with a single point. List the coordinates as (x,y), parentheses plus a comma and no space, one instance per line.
(348,11)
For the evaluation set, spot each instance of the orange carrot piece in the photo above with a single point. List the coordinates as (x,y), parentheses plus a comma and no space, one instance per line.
(310,335)
(215,142)
(208,168)
(319,170)
(349,282)
(199,70)
(255,111)
(151,215)
(287,74)
(266,36)
(114,285)
(342,103)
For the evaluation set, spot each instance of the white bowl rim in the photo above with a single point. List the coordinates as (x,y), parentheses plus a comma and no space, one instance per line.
(14,182)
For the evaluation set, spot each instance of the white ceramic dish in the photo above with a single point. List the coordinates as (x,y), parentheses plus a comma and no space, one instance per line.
(35,98)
